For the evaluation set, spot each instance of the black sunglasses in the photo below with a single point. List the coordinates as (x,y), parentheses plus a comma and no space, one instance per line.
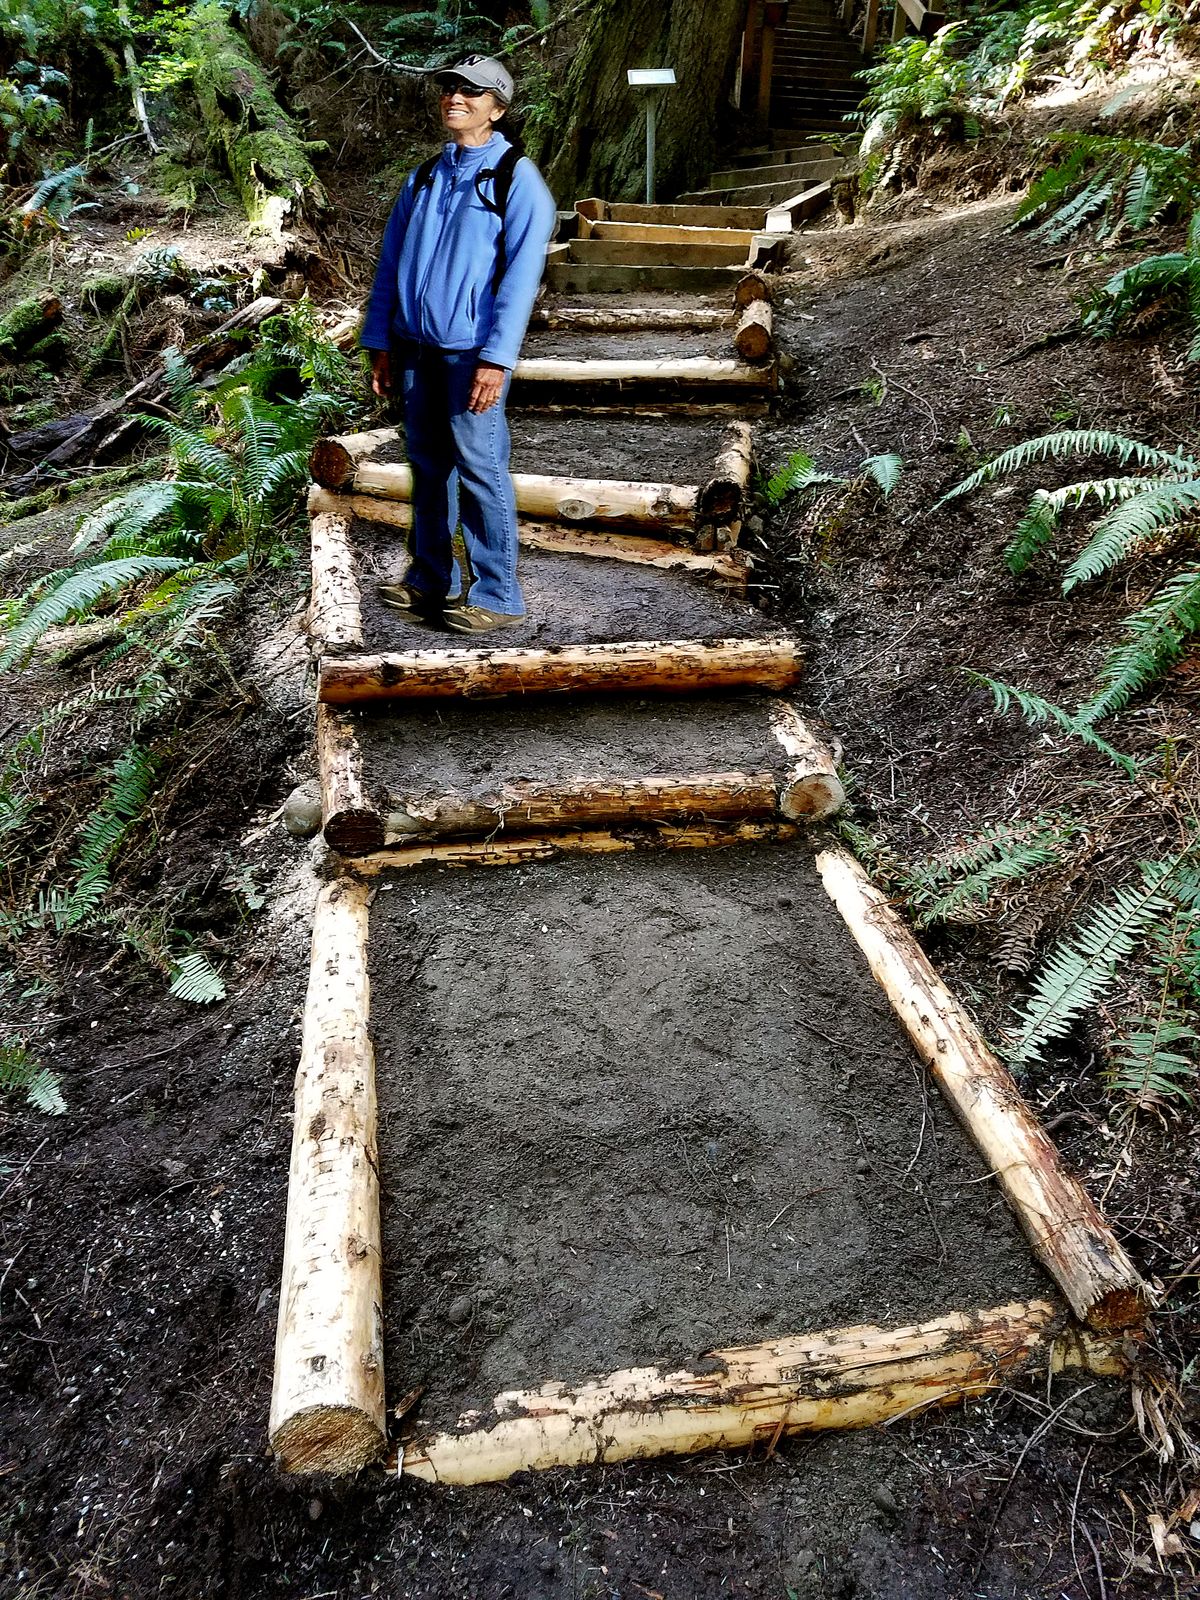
(470,91)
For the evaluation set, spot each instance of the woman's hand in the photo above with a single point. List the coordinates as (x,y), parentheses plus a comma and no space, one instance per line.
(381,373)
(487,388)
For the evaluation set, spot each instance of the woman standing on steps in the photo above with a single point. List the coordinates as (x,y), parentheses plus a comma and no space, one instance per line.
(458,273)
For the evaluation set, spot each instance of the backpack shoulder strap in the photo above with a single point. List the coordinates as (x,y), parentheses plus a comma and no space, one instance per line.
(501,176)
(424,175)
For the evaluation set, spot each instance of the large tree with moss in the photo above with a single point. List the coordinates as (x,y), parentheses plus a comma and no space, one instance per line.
(596,145)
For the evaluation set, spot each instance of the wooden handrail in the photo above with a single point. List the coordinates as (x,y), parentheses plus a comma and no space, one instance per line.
(924,20)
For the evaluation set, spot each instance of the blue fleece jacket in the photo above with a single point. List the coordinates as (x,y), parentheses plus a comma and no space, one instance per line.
(434,279)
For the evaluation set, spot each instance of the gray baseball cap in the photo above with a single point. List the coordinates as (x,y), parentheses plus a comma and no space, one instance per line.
(485,72)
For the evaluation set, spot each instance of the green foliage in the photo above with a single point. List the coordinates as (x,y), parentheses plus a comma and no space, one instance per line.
(20,1072)
(958,886)
(197,980)
(1082,966)
(800,472)
(1138,514)
(1038,711)
(1123,182)
(130,783)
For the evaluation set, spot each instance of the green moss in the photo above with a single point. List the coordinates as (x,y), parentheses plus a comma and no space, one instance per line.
(54,350)
(23,326)
(103,291)
(259,143)
(29,505)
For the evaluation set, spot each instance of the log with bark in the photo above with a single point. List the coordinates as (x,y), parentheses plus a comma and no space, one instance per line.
(682,666)
(811,789)
(611,502)
(327,1403)
(627,319)
(352,824)
(581,804)
(597,841)
(334,460)
(721,497)
(752,338)
(854,1377)
(727,569)
(753,286)
(1074,1243)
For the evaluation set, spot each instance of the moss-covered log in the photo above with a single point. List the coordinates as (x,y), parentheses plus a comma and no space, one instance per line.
(600,145)
(28,324)
(259,143)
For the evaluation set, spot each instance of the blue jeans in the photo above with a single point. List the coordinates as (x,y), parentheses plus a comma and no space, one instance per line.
(460,473)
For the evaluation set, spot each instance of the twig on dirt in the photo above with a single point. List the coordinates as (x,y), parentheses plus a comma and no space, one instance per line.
(1035,1437)
(1045,342)
(1096,1558)
(12,1183)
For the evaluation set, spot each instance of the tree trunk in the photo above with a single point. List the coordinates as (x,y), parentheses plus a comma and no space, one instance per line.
(601,149)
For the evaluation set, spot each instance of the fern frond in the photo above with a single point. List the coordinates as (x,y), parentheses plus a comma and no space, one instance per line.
(194,446)
(185,394)
(1081,967)
(1074,442)
(129,515)
(1092,198)
(1002,853)
(77,592)
(886,470)
(1149,1067)
(1037,710)
(1129,527)
(20,1071)
(197,980)
(1032,534)
(798,472)
(1158,635)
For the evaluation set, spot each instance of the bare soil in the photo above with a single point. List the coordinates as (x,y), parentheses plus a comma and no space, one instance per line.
(568,600)
(471,748)
(635,1109)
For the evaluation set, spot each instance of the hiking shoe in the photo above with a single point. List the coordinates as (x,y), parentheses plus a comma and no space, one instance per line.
(412,602)
(478,619)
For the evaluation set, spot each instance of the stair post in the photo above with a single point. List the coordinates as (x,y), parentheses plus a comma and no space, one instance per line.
(774,13)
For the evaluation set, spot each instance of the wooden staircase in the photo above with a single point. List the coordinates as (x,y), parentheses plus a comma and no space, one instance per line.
(813,92)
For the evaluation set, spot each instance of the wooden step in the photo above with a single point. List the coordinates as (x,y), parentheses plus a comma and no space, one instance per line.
(798,173)
(663,233)
(637,253)
(770,194)
(750,217)
(591,278)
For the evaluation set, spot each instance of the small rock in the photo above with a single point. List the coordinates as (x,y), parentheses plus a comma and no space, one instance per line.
(753,526)
(547,1564)
(174,1169)
(315,1509)
(862,1165)
(885,1499)
(461,1310)
(302,810)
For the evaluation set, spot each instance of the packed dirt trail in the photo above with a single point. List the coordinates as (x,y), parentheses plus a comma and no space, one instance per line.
(640,1097)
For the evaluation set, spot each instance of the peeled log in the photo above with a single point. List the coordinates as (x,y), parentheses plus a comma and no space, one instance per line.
(352,825)
(721,497)
(686,666)
(592,842)
(811,789)
(327,1405)
(846,1378)
(531,807)
(335,614)
(752,338)
(1060,1220)
(699,370)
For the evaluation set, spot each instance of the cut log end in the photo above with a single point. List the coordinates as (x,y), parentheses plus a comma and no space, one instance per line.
(335,1439)
(354,832)
(812,798)
(331,464)
(1120,1309)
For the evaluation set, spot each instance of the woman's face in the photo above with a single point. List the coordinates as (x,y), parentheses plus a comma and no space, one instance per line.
(468,114)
